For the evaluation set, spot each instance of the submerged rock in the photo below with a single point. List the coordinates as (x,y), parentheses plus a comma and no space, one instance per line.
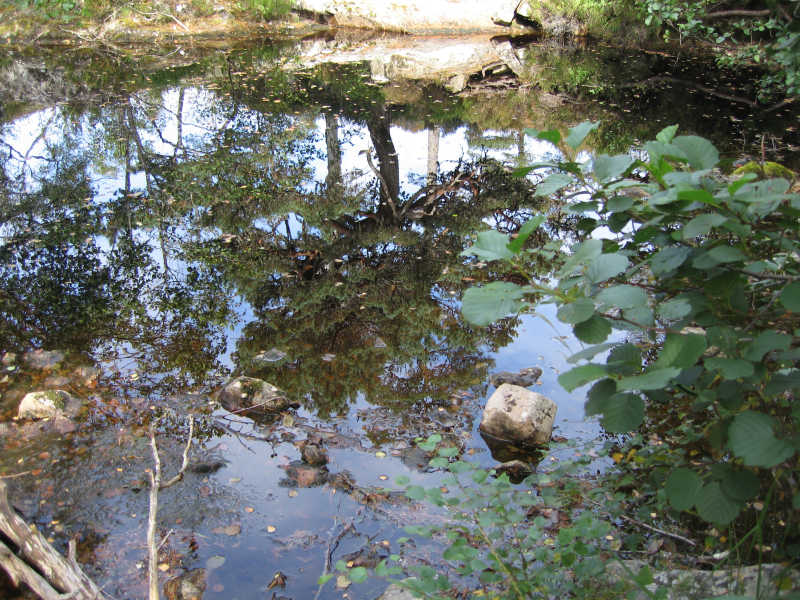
(519,415)
(302,475)
(516,470)
(313,453)
(49,403)
(524,378)
(43,359)
(395,592)
(248,395)
(189,586)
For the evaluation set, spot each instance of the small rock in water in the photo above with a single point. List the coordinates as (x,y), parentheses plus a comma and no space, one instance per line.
(245,395)
(303,475)
(43,359)
(516,470)
(525,377)
(189,586)
(516,414)
(271,355)
(49,403)
(314,455)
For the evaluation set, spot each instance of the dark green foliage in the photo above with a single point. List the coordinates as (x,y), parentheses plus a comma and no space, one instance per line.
(705,277)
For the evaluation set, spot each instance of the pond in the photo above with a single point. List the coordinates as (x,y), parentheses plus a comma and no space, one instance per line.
(293,212)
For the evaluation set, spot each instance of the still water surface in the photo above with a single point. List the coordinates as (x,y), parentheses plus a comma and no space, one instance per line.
(174,225)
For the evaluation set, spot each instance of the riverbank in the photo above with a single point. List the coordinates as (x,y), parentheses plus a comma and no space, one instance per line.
(154,20)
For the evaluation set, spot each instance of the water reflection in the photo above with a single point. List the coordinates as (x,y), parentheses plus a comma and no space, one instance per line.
(235,214)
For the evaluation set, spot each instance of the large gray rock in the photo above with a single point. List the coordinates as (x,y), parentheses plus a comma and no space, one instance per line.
(416,16)
(49,403)
(683,584)
(519,415)
(251,396)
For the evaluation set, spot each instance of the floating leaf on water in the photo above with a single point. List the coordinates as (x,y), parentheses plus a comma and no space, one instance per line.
(163,567)
(270,529)
(342,582)
(249,509)
(234,480)
(383,477)
(215,562)
(292,493)
(380,454)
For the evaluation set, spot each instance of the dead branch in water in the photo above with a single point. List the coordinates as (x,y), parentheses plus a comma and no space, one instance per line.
(155,485)
(37,564)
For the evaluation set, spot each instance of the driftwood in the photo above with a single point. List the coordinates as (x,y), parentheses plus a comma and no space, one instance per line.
(37,563)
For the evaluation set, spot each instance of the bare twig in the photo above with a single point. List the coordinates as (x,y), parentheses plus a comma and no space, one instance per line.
(13,475)
(333,543)
(155,485)
(163,14)
(724,14)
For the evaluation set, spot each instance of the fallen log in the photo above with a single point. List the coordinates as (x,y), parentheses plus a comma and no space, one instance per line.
(36,563)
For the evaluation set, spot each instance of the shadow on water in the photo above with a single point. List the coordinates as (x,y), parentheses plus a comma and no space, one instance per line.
(294,213)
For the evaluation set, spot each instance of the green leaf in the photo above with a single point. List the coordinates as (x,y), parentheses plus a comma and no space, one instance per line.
(599,395)
(674,309)
(666,135)
(653,379)
(702,224)
(622,413)
(524,233)
(415,492)
(593,330)
(726,254)
(622,296)
(714,506)
(739,485)
(681,350)
(590,352)
(402,480)
(485,305)
(606,266)
(658,150)
(668,259)
(584,252)
(731,368)
(578,133)
(683,488)
(699,151)
(746,178)
(323,579)
(358,575)
(767,341)
(790,297)
(577,311)
(610,167)
(697,195)
(751,437)
(490,245)
(553,183)
(624,359)
(552,135)
(581,375)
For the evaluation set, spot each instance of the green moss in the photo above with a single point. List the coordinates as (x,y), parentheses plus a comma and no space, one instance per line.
(607,19)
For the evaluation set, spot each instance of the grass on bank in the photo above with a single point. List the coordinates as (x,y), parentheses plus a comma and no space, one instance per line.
(21,16)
